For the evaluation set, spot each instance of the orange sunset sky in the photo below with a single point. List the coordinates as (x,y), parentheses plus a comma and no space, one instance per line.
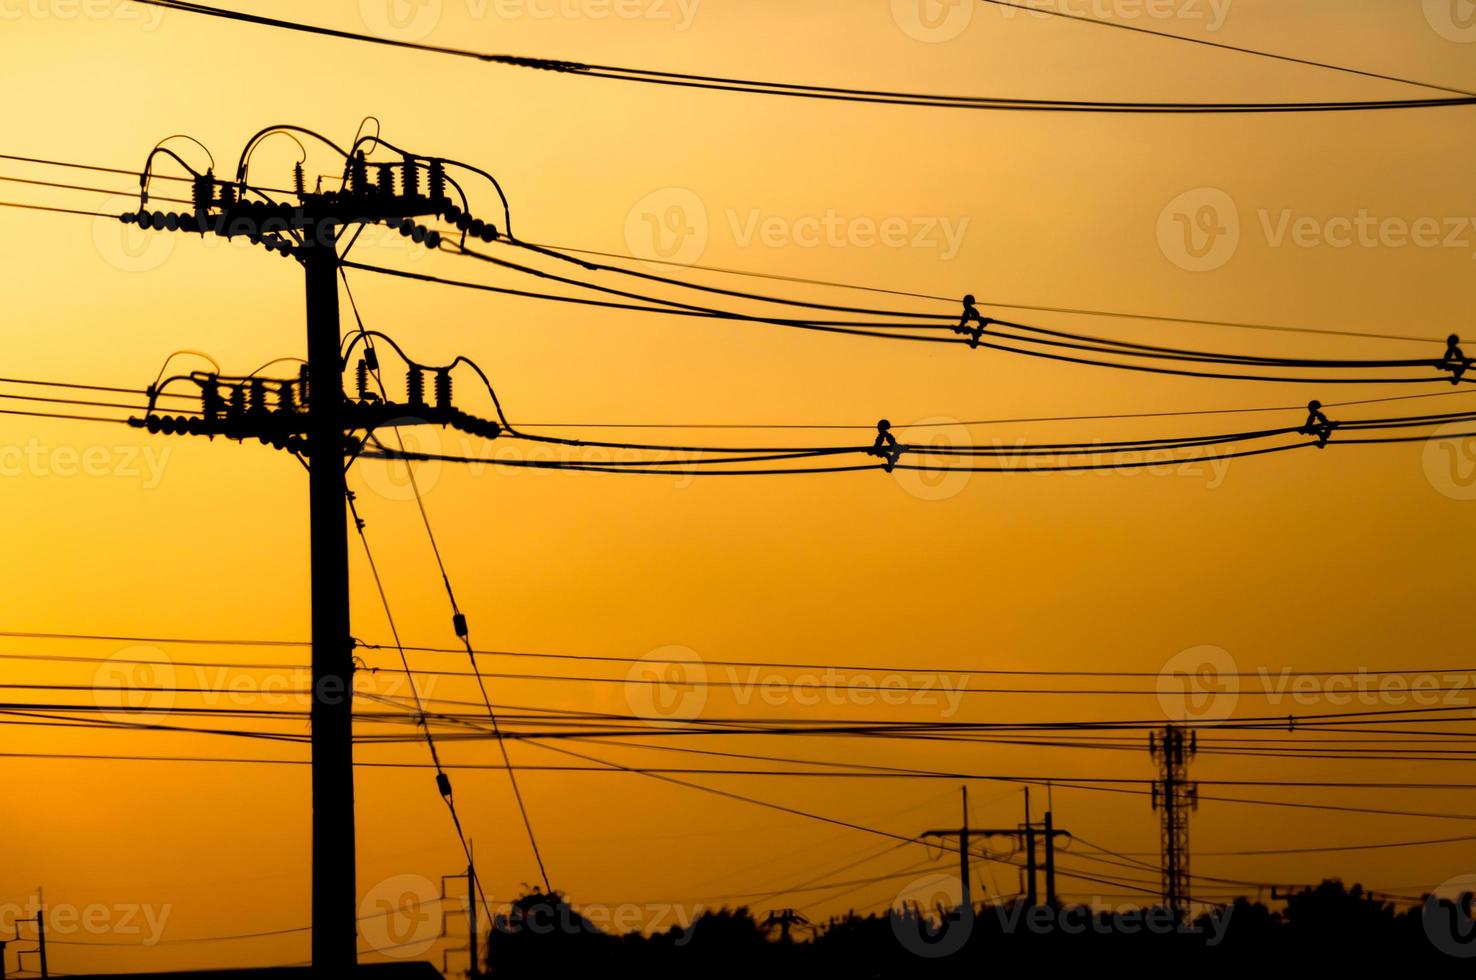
(1329,561)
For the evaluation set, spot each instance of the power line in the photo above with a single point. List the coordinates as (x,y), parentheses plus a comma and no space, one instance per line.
(554,250)
(749,273)
(792,90)
(42,207)
(1082,18)
(123,171)
(953,300)
(883,332)
(57,415)
(82,187)
(866,330)
(921,668)
(443,781)
(971,423)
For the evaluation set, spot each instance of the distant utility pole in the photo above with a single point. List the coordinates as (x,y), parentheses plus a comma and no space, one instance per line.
(966,893)
(40,941)
(1049,832)
(41,936)
(473,928)
(1175,796)
(312,418)
(1029,834)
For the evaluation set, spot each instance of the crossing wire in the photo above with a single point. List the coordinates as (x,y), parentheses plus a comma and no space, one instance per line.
(458,618)
(443,781)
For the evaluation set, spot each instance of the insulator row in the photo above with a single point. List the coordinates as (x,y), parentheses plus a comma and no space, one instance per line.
(249,397)
(443,388)
(159,220)
(412,178)
(204,187)
(359,174)
(184,425)
(274,430)
(173,424)
(417,233)
(210,399)
(475,227)
(471,424)
(277,244)
(256,396)
(172,221)
(203,192)
(361,378)
(437,180)
(415,385)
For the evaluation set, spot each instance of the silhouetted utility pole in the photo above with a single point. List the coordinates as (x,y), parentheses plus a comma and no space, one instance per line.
(1029,834)
(41,935)
(966,893)
(473,928)
(1175,795)
(334,892)
(1050,833)
(40,940)
(312,419)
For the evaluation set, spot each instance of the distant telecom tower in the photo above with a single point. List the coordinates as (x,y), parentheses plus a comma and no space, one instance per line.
(1175,795)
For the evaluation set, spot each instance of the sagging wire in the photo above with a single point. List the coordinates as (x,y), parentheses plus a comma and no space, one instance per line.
(458,618)
(443,780)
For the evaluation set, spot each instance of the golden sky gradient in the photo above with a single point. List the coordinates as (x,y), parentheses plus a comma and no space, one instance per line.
(1317,561)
